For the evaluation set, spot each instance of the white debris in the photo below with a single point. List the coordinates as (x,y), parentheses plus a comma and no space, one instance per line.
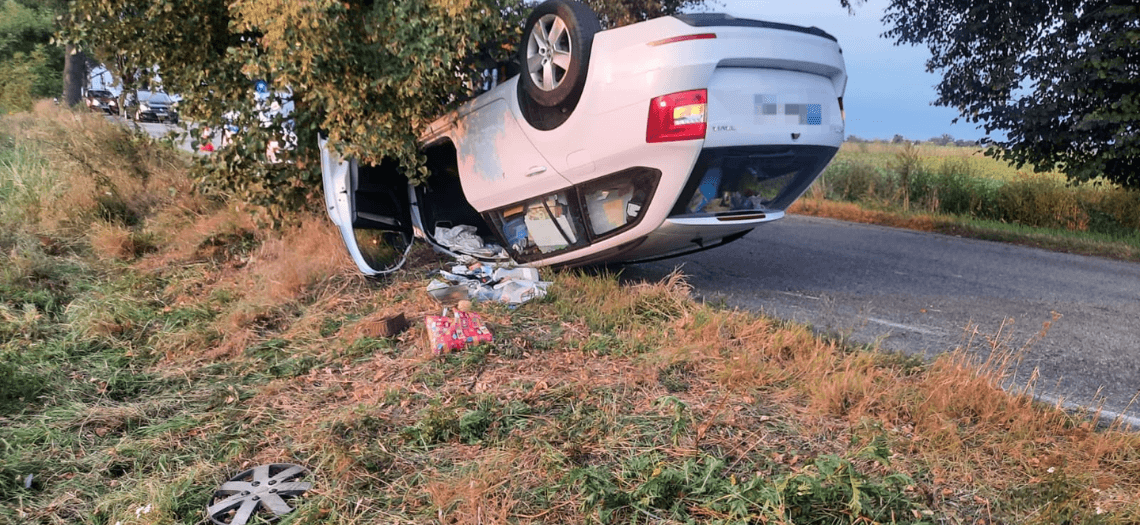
(488,282)
(464,239)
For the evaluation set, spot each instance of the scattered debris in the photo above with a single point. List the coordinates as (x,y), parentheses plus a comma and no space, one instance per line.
(449,334)
(447,293)
(465,239)
(487,282)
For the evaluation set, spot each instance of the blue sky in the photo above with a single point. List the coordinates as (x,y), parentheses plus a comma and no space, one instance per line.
(888,88)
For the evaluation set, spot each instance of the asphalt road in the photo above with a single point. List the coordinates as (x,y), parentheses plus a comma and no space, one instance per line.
(927,293)
(159,129)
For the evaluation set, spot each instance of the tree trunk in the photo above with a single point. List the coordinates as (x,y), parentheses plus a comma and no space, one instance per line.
(74,75)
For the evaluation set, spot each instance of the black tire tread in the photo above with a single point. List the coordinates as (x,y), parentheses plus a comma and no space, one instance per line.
(541,109)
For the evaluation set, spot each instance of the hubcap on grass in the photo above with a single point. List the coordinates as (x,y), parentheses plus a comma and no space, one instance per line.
(264,490)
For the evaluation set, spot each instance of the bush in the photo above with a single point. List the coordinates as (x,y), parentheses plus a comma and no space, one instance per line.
(956,188)
(1040,202)
(906,177)
(855,181)
(1113,211)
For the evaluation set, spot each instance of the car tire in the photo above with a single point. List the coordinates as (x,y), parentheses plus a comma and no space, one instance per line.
(554,70)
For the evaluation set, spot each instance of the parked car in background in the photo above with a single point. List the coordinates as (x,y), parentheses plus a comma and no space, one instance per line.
(269,107)
(101,100)
(651,140)
(152,106)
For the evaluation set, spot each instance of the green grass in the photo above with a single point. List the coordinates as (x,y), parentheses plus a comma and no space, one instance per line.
(26,181)
(132,385)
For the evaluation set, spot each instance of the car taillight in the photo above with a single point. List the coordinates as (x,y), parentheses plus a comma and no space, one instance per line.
(683,38)
(678,116)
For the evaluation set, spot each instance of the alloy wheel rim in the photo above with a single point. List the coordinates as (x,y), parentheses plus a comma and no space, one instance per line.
(549,52)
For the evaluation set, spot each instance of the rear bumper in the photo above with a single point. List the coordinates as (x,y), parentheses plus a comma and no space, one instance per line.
(733,182)
(158,117)
(727,192)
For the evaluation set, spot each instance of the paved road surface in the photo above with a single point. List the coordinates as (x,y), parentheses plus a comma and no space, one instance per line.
(158,130)
(920,292)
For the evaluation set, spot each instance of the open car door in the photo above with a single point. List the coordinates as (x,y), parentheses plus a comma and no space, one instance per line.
(371,212)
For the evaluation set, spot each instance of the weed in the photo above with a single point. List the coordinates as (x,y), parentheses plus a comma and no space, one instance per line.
(268,351)
(906,364)
(330,327)
(907,164)
(436,424)
(1057,498)
(831,490)
(366,346)
(675,377)
(294,366)
(852,181)
(605,344)
(429,377)
(524,335)
(21,384)
(1040,202)
(116,241)
(969,194)
(227,246)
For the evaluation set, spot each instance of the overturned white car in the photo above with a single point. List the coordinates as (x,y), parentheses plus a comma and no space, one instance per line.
(651,140)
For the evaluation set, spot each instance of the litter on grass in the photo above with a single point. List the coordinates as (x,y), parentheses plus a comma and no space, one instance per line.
(464,239)
(449,334)
(487,282)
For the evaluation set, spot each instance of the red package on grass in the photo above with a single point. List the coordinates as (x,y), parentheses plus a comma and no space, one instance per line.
(448,334)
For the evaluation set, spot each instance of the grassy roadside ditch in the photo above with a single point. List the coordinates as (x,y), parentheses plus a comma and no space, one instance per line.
(957,191)
(154,342)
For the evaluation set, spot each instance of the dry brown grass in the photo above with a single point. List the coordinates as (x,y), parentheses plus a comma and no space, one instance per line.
(186,235)
(269,365)
(115,241)
(299,258)
(754,385)
(851,212)
(97,164)
(475,496)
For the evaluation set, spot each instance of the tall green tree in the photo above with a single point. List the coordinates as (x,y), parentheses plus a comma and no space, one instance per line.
(1054,83)
(30,67)
(369,73)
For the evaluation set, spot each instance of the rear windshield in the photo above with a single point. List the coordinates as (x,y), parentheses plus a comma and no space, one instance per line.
(158,98)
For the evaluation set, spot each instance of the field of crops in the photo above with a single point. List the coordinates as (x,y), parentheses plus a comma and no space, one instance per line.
(962,181)
(884,155)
